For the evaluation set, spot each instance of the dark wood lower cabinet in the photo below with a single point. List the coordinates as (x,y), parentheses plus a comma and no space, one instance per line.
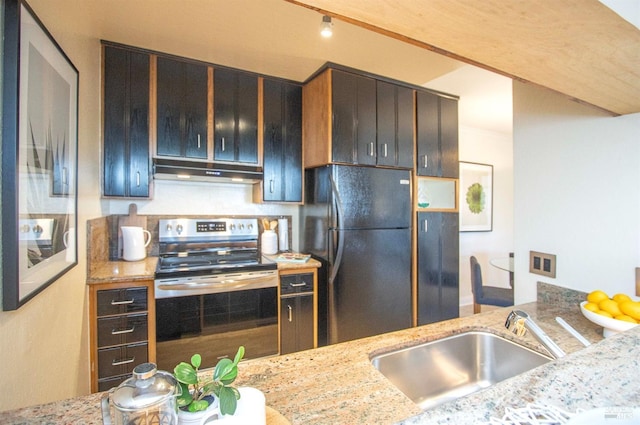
(438,265)
(298,313)
(296,323)
(122,335)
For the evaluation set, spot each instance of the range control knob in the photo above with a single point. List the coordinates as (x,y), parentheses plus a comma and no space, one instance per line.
(232,227)
(179,228)
(169,228)
(241,226)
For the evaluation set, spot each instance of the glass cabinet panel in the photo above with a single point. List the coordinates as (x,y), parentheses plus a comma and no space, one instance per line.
(437,194)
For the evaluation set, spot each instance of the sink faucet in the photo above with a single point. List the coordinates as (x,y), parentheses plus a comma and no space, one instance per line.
(519,322)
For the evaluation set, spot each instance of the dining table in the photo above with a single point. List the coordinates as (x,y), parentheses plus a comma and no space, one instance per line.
(506,264)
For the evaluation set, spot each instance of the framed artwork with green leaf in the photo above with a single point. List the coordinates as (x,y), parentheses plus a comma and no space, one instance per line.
(476,197)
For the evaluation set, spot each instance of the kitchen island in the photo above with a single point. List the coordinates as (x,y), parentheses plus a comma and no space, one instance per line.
(337,384)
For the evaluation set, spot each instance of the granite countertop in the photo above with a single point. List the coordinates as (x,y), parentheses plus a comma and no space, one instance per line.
(337,384)
(122,271)
(130,271)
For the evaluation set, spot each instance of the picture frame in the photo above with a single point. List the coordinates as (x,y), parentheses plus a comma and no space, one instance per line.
(476,197)
(39,157)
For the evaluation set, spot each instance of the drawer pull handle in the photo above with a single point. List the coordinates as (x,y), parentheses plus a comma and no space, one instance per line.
(122,331)
(295,285)
(121,362)
(290,313)
(114,302)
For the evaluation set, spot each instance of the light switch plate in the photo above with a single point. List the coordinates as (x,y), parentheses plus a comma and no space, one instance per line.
(543,264)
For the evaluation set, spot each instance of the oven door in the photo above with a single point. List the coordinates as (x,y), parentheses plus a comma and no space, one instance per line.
(213,316)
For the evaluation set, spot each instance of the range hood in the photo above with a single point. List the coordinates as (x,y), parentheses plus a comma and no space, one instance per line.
(205,171)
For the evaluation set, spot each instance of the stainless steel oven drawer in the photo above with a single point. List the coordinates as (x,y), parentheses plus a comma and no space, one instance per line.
(122,301)
(121,360)
(296,284)
(122,330)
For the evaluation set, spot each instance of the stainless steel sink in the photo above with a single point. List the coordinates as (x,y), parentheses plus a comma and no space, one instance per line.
(446,369)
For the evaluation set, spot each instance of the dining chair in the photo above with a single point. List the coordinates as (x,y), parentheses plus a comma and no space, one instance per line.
(484,294)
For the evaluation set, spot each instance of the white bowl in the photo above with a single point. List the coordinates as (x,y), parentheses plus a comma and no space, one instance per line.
(611,326)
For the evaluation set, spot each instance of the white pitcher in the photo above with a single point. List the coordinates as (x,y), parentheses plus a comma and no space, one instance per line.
(134,243)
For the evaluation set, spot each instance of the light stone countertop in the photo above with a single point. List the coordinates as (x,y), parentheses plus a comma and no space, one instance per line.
(338,385)
(122,271)
(130,271)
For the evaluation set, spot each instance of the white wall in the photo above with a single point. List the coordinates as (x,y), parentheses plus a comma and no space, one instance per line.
(577,193)
(172,197)
(494,148)
(44,353)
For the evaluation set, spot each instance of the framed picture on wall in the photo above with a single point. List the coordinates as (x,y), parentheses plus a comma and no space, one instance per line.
(476,197)
(39,157)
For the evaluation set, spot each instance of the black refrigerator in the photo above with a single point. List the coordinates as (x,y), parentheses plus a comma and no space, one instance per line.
(357,222)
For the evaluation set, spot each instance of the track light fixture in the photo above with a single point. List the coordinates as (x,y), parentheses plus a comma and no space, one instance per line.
(326,29)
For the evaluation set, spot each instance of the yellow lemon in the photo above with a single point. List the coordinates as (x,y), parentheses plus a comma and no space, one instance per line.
(626,318)
(591,307)
(597,296)
(610,306)
(604,313)
(620,298)
(631,308)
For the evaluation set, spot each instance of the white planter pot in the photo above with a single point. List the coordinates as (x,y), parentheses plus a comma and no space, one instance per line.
(212,413)
(251,410)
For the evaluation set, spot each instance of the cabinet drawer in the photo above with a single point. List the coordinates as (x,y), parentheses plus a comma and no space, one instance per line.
(122,330)
(120,301)
(108,383)
(296,283)
(121,360)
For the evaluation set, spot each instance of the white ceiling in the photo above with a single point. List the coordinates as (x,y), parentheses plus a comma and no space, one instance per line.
(278,38)
(579,48)
(485,97)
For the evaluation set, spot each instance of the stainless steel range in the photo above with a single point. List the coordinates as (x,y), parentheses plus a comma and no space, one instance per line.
(214,291)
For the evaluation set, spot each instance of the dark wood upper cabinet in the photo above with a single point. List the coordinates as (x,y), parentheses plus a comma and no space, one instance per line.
(235,116)
(395,125)
(182,99)
(357,119)
(354,118)
(126,123)
(437,136)
(282,142)
(449,137)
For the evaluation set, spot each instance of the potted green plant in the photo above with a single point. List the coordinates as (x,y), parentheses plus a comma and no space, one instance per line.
(198,387)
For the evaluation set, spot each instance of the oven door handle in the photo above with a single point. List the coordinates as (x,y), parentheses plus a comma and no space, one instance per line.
(229,284)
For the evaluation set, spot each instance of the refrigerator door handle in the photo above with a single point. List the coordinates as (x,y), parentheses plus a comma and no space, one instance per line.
(340,243)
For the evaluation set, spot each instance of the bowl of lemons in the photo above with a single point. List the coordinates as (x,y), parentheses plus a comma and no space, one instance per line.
(615,314)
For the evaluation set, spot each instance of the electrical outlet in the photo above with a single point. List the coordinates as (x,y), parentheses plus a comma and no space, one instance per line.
(543,264)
